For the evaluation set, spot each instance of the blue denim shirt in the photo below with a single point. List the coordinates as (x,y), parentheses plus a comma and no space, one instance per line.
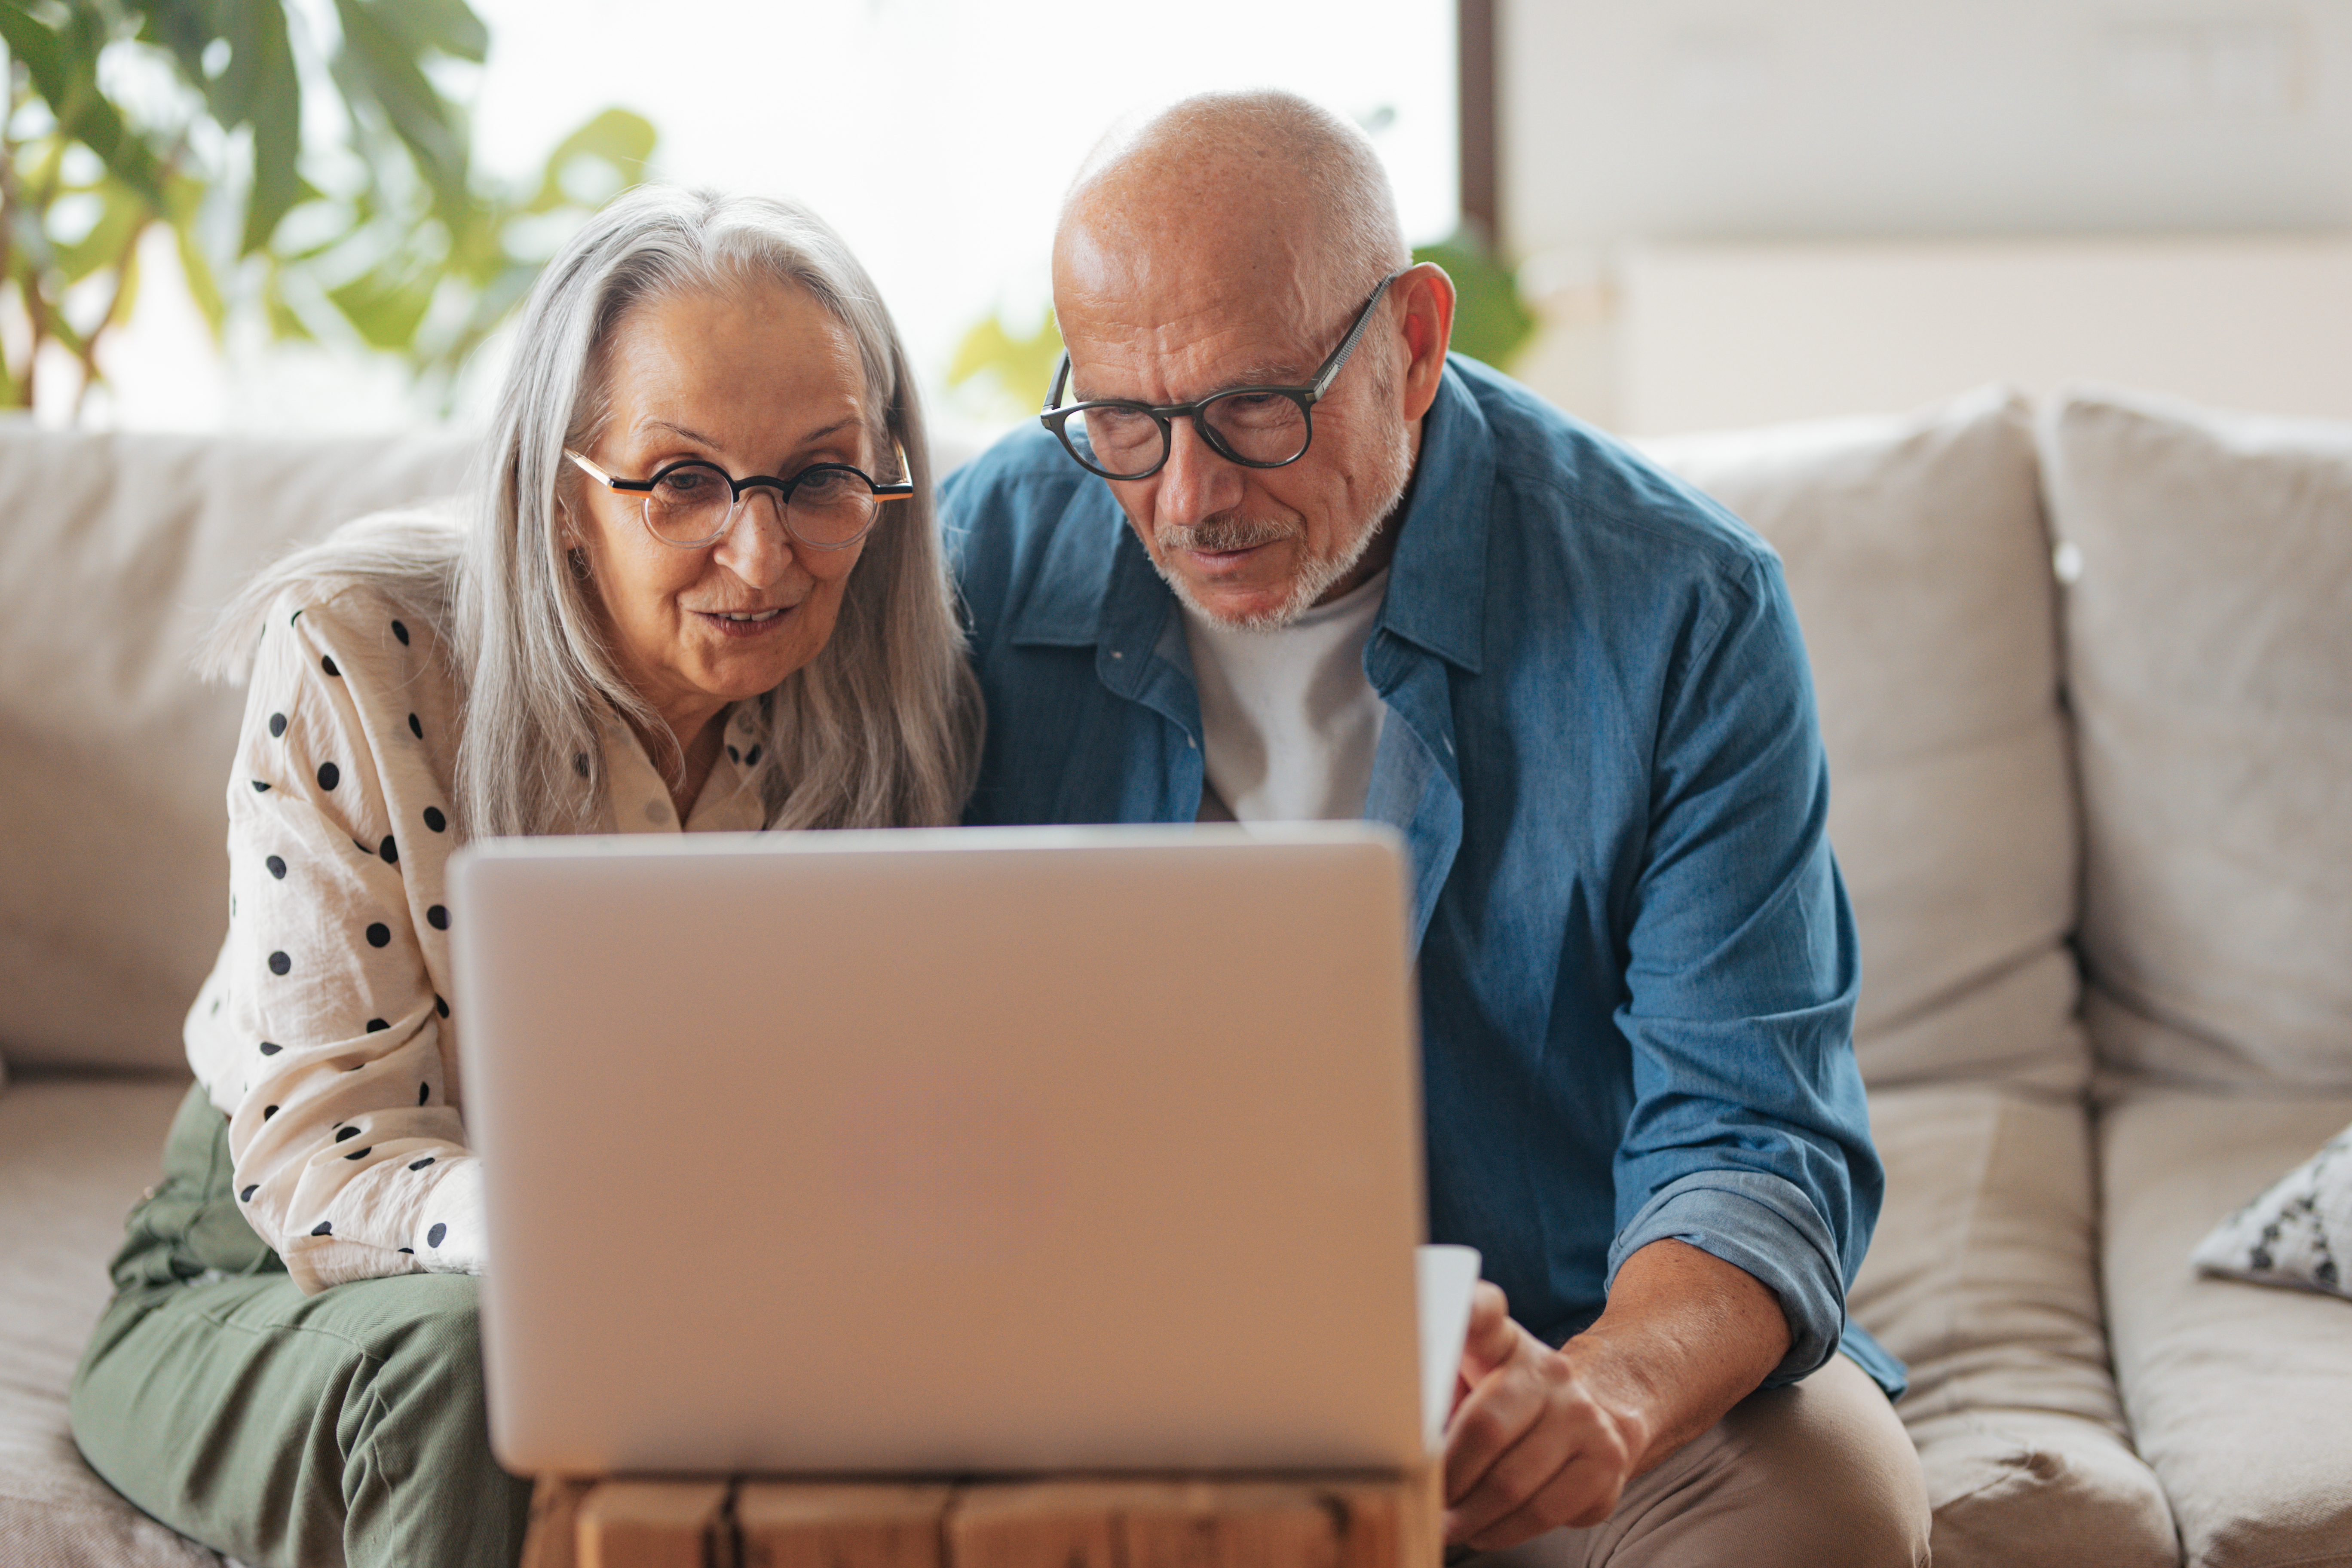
(1637,965)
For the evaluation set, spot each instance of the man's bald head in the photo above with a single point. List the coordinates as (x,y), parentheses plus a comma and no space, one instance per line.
(1209,265)
(1265,183)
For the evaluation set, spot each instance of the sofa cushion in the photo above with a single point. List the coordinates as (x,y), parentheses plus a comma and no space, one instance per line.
(1983,1277)
(2208,655)
(74,1154)
(1916,553)
(113,759)
(2237,1393)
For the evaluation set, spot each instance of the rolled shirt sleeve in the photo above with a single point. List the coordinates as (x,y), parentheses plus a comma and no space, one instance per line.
(1748,1136)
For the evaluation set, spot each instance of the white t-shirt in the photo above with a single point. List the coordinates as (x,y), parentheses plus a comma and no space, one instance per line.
(1287,721)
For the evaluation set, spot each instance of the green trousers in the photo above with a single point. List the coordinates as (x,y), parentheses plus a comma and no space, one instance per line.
(280,1428)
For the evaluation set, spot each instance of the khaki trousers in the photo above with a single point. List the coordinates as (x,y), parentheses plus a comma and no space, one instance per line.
(1819,1474)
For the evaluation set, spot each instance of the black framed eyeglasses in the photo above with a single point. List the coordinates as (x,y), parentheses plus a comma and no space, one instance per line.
(1257,426)
(691,502)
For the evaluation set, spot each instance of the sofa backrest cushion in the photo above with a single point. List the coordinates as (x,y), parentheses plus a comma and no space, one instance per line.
(119,549)
(2209,659)
(1917,554)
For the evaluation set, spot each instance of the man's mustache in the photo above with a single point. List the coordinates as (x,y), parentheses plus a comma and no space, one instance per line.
(1224,533)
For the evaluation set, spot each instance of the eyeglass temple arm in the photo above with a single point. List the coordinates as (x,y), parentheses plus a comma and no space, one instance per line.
(607,480)
(1061,379)
(1348,344)
(903,488)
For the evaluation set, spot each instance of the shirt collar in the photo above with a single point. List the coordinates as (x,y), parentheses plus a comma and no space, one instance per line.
(1070,607)
(637,800)
(1097,588)
(1437,579)
(731,801)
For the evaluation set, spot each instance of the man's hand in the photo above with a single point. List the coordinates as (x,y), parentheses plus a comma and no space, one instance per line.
(1531,1443)
(1542,1438)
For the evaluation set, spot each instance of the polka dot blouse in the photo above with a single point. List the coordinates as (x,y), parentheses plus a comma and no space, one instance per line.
(325,1031)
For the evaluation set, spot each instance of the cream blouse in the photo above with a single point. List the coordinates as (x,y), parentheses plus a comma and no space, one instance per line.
(325,1031)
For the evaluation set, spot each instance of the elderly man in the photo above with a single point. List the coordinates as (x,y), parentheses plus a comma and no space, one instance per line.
(1356,577)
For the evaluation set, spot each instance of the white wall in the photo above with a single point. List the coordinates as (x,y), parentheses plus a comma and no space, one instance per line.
(1717,336)
(1713,125)
(1746,120)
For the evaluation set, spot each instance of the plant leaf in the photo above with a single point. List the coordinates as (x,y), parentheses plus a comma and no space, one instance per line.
(267,93)
(122,213)
(184,27)
(286,323)
(202,288)
(383,67)
(620,138)
(1021,367)
(126,299)
(385,305)
(38,44)
(62,62)
(447,26)
(54,323)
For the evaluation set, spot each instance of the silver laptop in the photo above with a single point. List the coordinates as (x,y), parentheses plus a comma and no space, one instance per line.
(945,1151)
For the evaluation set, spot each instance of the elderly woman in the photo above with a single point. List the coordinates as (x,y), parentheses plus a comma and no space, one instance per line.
(698,587)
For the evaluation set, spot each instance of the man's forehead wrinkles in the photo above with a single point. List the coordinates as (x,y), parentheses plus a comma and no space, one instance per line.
(1232,339)
(1170,365)
(1172,257)
(1162,310)
(1179,391)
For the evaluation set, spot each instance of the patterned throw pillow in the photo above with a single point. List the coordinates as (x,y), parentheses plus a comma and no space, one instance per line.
(2298,1233)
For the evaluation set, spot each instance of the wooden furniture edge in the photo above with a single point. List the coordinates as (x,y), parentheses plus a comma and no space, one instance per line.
(1323,1518)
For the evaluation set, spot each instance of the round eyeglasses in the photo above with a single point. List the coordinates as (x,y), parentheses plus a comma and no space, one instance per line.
(691,503)
(1257,426)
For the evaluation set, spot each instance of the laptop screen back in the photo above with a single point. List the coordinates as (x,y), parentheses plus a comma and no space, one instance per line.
(945,1151)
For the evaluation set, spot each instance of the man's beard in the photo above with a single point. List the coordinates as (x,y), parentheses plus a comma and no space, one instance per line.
(1317,575)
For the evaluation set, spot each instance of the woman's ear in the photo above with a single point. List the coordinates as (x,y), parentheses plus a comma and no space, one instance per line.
(575,553)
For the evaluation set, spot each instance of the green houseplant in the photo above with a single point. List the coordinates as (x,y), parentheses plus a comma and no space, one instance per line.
(126,115)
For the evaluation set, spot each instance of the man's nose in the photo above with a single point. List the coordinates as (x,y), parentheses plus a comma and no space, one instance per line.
(1197,481)
(757,546)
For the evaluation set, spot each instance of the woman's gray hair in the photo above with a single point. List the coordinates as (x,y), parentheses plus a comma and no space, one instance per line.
(881,729)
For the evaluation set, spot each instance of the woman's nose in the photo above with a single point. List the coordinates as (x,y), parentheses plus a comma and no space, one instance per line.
(757,546)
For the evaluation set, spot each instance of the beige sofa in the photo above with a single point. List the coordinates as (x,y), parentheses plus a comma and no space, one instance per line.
(2099,837)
